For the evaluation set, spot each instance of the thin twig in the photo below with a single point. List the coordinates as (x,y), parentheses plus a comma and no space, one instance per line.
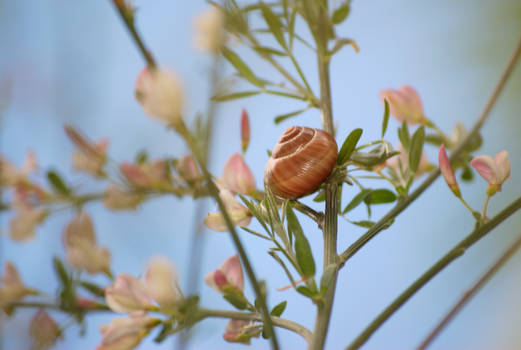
(465,298)
(457,251)
(277,321)
(401,206)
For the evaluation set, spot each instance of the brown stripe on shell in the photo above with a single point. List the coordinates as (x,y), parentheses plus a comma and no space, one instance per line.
(300,172)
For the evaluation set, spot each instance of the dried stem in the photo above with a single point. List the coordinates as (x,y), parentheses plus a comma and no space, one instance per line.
(512,249)
(457,251)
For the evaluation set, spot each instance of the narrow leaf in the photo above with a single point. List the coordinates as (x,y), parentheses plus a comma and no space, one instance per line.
(340,13)
(235,96)
(380,196)
(61,272)
(416,149)
(320,197)
(327,276)
(235,301)
(253,209)
(57,183)
(363,223)
(302,249)
(274,24)
(279,309)
(242,67)
(305,291)
(403,135)
(359,198)
(349,146)
(269,51)
(282,117)
(385,118)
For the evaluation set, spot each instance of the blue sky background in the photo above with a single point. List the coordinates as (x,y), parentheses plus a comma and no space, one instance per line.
(73,62)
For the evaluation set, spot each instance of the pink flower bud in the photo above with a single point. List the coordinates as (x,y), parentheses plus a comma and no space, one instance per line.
(12,288)
(117,199)
(128,294)
(405,104)
(245,130)
(90,157)
(187,168)
(239,214)
(22,226)
(228,276)
(43,330)
(125,333)
(81,247)
(237,176)
(447,172)
(241,331)
(87,304)
(210,34)
(161,281)
(160,93)
(494,170)
(134,174)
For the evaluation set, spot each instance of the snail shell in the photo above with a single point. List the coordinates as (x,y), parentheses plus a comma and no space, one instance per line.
(301,160)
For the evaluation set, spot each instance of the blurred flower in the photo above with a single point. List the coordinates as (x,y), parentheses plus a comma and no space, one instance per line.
(400,164)
(237,176)
(210,34)
(187,168)
(241,331)
(494,170)
(81,247)
(245,130)
(125,333)
(239,214)
(152,174)
(90,157)
(11,176)
(405,104)
(128,294)
(87,304)
(22,226)
(13,288)
(447,172)
(43,331)
(160,93)
(228,277)
(161,282)
(117,199)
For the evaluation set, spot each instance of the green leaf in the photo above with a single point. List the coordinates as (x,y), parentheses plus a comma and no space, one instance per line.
(327,276)
(60,270)
(363,223)
(141,157)
(269,51)
(341,13)
(380,196)
(403,135)
(302,249)
(416,149)
(235,96)
(279,309)
(274,24)
(434,139)
(348,146)
(385,118)
(359,198)
(305,291)
(57,183)
(253,209)
(93,288)
(233,299)
(467,175)
(282,117)
(242,67)
(320,197)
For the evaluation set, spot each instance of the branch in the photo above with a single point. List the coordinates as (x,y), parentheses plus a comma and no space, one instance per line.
(401,206)
(471,292)
(457,251)
(277,321)
(99,307)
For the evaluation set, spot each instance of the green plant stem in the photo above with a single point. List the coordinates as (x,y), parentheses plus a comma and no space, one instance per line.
(214,192)
(331,213)
(467,296)
(402,205)
(51,306)
(464,202)
(277,321)
(485,205)
(128,19)
(457,251)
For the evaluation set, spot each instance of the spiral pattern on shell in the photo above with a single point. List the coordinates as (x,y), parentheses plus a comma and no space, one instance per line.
(301,160)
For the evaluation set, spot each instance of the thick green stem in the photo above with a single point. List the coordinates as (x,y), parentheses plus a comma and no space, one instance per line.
(331,214)
(457,251)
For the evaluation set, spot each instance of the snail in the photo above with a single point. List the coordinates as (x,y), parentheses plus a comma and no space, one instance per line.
(301,160)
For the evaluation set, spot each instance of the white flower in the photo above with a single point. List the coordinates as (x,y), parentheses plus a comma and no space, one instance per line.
(210,34)
(128,294)
(161,282)
(239,214)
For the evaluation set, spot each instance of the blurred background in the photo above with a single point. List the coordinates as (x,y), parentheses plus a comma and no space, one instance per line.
(73,62)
